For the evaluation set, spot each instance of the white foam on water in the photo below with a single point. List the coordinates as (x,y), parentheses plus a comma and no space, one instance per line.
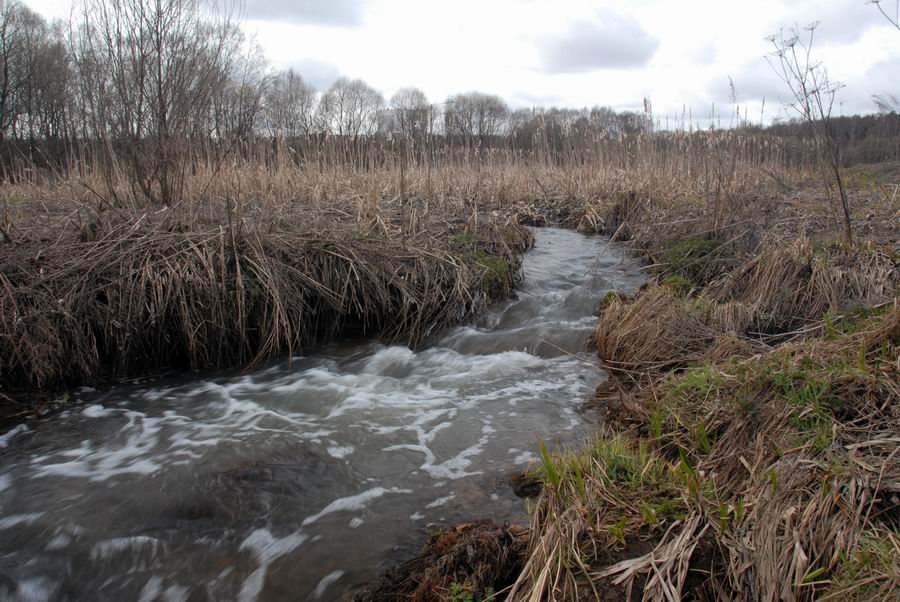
(441,501)
(340,452)
(14,520)
(389,360)
(111,547)
(60,541)
(429,435)
(97,411)
(5,482)
(455,467)
(416,516)
(36,589)
(326,582)
(449,366)
(156,394)
(524,458)
(373,395)
(355,522)
(266,549)
(10,434)
(353,503)
(105,462)
(146,444)
(153,590)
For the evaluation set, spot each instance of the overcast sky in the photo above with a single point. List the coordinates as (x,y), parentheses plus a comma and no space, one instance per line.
(573,52)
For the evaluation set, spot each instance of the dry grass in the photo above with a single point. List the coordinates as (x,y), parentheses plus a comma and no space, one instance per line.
(783,292)
(126,295)
(465,562)
(266,254)
(771,478)
(753,450)
(790,286)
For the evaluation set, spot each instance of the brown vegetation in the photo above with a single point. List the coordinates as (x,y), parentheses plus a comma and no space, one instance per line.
(456,564)
(751,442)
(765,476)
(751,450)
(119,297)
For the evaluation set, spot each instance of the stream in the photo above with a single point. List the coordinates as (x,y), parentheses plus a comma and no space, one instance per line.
(306,477)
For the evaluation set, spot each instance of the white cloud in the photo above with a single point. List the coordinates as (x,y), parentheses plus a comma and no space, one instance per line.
(324,12)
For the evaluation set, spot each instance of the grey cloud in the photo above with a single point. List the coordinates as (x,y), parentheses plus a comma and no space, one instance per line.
(614,43)
(317,73)
(307,12)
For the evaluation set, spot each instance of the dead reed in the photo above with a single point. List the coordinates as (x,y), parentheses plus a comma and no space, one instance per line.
(122,296)
(455,564)
(775,477)
(784,291)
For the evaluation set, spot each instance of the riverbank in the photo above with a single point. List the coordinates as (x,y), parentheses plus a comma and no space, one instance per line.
(731,466)
(129,294)
(739,274)
(750,442)
(306,474)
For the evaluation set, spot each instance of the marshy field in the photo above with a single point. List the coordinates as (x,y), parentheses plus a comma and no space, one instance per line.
(264,342)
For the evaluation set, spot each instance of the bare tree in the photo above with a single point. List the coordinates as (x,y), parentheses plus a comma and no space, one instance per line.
(290,105)
(350,108)
(149,71)
(411,112)
(476,115)
(238,110)
(19,32)
(47,89)
(813,96)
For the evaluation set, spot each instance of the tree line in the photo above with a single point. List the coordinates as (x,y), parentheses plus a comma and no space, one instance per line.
(141,87)
(126,70)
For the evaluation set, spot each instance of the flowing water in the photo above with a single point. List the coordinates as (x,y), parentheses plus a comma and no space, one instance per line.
(307,477)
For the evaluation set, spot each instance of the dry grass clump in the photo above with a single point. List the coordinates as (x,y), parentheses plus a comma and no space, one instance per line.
(789,286)
(655,332)
(775,477)
(471,561)
(120,297)
(783,292)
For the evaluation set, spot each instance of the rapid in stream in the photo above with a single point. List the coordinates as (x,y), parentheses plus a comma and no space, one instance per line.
(304,478)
